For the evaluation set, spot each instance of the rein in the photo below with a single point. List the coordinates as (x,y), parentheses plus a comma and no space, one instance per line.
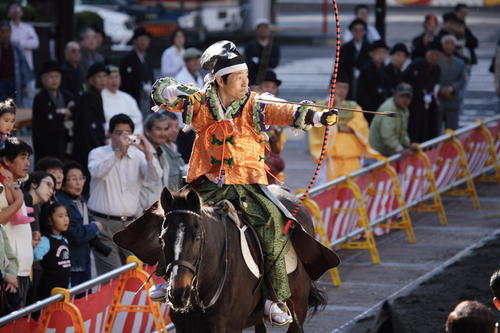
(195,269)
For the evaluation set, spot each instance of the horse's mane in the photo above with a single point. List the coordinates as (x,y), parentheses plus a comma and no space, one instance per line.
(180,199)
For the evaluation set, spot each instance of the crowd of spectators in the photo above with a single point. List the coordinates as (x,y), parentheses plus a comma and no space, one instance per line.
(102,156)
(424,85)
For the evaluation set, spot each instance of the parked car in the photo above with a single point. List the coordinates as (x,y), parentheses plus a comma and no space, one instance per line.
(117,25)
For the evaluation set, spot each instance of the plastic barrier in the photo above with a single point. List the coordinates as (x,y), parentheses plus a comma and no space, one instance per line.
(114,307)
(376,199)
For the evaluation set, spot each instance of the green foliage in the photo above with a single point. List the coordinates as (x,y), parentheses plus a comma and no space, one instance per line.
(88,19)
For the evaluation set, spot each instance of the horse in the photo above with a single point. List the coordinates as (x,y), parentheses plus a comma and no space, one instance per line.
(210,288)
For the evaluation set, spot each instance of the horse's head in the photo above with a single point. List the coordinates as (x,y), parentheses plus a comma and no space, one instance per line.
(182,240)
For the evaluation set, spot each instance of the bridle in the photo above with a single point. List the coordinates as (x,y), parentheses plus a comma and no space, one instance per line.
(195,269)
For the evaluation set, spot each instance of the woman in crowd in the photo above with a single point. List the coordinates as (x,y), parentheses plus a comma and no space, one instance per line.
(82,230)
(38,190)
(172,59)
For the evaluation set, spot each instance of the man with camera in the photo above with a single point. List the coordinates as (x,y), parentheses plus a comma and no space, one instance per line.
(118,170)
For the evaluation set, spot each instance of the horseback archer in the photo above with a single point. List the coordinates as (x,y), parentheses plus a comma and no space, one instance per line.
(228,154)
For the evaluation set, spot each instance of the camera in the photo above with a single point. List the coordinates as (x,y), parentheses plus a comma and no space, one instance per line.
(133,140)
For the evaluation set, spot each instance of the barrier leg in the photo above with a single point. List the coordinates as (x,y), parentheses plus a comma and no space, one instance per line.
(320,230)
(153,307)
(405,222)
(437,206)
(493,160)
(369,242)
(470,188)
(64,306)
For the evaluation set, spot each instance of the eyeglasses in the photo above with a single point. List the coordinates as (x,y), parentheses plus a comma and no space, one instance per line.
(75,179)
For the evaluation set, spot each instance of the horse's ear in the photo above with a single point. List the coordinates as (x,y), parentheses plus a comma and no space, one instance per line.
(166,200)
(194,199)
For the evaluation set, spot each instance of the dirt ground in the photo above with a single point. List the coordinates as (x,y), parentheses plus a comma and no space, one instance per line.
(425,308)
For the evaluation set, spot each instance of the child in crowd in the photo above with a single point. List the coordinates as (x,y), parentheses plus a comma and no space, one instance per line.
(53,249)
(7,122)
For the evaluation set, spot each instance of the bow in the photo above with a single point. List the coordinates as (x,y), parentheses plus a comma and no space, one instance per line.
(333,83)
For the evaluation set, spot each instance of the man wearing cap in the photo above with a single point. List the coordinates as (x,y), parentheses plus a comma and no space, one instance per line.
(389,135)
(136,71)
(89,115)
(370,93)
(228,154)
(190,73)
(261,53)
(452,83)
(392,74)
(51,115)
(354,55)
(423,75)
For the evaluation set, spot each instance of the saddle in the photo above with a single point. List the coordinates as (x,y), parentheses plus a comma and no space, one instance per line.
(226,211)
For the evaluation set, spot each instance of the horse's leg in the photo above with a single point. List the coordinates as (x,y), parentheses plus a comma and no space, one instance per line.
(298,304)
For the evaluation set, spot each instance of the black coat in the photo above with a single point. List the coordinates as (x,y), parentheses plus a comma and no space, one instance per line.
(254,49)
(50,137)
(418,48)
(370,91)
(134,74)
(424,123)
(350,60)
(88,125)
(390,79)
(72,80)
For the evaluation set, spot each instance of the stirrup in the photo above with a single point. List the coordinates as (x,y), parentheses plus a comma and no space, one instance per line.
(284,315)
(158,293)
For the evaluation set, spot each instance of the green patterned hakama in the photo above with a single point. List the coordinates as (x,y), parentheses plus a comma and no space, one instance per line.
(267,220)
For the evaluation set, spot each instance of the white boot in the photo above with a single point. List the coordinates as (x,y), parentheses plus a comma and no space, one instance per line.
(277,313)
(158,293)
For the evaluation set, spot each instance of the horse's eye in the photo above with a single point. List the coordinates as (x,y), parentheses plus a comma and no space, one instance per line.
(197,238)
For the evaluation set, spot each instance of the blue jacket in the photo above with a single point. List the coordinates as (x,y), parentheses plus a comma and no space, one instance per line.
(22,73)
(78,234)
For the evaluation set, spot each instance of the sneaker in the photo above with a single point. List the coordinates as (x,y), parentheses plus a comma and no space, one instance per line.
(158,293)
(277,313)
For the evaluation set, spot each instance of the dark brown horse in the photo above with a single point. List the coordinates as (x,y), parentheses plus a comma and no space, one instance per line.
(210,287)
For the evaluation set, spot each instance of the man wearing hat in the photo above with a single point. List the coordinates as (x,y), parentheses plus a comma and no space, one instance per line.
(89,115)
(389,135)
(190,73)
(228,154)
(423,75)
(262,52)
(277,137)
(392,74)
(51,115)
(354,55)
(136,71)
(370,92)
